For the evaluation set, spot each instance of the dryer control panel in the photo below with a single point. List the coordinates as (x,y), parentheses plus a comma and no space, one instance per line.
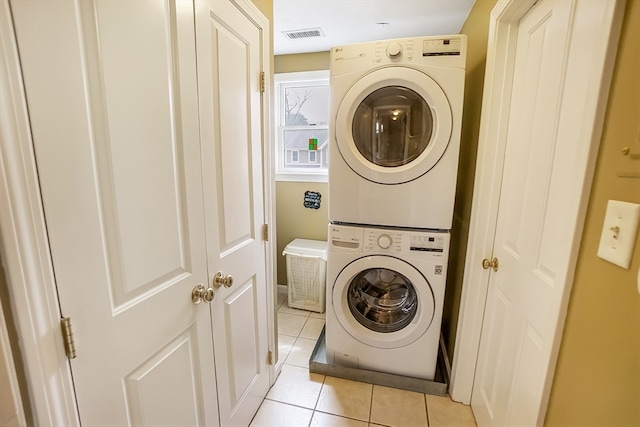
(441,51)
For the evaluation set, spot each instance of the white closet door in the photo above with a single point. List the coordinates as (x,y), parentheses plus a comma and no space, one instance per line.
(230,39)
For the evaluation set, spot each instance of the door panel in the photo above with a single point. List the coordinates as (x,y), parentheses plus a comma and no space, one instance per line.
(234,168)
(135,120)
(155,374)
(115,131)
(229,66)
(244,357)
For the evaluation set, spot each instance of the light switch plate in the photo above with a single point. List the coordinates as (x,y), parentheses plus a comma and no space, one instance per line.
(619,232)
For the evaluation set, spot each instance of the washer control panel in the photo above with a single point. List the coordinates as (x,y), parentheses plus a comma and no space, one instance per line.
(382,241)
(423,244)
(348,238)
(427,243)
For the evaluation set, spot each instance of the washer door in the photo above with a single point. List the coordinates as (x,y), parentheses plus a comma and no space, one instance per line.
(383,301)
(393,125)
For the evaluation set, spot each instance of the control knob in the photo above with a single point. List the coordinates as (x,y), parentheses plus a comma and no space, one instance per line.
(384,241)
(394,50)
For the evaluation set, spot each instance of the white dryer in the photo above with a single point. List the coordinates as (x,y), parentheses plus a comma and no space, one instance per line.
(395,120)
(385,295)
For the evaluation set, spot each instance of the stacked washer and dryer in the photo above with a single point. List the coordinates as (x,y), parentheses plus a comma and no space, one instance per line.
(395,119)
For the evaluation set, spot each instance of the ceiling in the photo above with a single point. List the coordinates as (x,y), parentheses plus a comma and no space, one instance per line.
(354,21)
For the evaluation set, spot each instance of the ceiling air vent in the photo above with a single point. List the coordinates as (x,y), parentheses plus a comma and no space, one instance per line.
(304,34)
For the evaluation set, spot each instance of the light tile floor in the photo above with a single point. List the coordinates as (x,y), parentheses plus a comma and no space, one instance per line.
(300,398)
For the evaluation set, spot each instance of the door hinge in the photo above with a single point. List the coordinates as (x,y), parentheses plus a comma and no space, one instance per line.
(263,83)
(67,336)
(265,232)
(270,357)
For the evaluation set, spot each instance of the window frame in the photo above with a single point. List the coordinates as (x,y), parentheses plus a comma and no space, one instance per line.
(284,171)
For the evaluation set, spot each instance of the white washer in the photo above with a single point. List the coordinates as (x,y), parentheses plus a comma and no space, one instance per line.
(385,294)
(395,119)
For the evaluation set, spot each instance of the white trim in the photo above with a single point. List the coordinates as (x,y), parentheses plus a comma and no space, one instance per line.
(301,76)
(25,250)
(13,404)
(302,177)
(598,67)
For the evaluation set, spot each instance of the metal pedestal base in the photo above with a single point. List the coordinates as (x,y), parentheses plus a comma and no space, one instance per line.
(318,364)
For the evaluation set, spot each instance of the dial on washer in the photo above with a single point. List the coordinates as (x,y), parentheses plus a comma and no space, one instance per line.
(384,241)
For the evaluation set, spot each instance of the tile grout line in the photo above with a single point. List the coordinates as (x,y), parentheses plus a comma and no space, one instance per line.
(324,378)
(426,408)
(371,404)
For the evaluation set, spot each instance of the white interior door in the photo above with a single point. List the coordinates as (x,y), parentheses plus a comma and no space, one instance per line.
(229,40)
(112,97)
(540,203)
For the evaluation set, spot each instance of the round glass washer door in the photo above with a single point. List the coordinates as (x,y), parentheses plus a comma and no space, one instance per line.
(383,302)
(393,125)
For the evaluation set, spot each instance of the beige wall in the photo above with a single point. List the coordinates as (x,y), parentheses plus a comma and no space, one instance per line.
(301,62)
(476,27)
(266,7)
(597,378)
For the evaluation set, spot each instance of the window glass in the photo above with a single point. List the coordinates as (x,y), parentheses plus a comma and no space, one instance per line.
(298,140)
(306,105)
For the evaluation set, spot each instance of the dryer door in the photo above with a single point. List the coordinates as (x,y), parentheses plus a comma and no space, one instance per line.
(383,301)
(393,125)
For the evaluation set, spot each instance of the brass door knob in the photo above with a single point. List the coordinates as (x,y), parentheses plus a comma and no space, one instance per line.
(200,293)
(493,264)
(221,279)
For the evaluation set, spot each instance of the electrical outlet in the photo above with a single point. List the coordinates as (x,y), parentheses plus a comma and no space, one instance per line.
(619,232)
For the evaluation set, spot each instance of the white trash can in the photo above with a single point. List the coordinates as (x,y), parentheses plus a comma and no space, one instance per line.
(306,274)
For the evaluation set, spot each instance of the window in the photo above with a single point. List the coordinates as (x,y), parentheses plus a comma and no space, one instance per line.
(302,123)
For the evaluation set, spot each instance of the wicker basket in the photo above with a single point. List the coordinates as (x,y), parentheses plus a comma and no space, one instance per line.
(306,274)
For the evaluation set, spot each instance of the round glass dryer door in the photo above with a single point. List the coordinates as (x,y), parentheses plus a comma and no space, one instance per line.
(383,301)
(393,125)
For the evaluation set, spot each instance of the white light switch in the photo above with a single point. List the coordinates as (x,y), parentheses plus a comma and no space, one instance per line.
(619,232)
